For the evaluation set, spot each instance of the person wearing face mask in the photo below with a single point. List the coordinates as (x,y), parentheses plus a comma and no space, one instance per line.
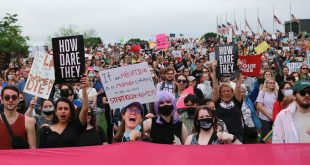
(21,106)
(165,128)
(286,89)
(206,130)
(191,102)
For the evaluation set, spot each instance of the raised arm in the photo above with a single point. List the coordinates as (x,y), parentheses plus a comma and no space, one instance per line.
(85,105)
(215,83)
(238,84)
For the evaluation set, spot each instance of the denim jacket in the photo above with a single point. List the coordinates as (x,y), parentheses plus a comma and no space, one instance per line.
(250,99)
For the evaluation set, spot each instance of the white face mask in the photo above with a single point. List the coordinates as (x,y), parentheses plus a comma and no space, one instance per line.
(287,92)
(10,77)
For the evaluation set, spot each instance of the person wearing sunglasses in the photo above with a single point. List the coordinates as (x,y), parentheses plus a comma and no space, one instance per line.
(130,128)
(304,72)
(292,124)
(181,84)
(22,126)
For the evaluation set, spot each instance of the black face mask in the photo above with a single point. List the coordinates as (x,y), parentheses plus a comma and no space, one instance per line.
(165,110)
(191,111)
(48,113)
(64,93)
(21,106)
(206,124)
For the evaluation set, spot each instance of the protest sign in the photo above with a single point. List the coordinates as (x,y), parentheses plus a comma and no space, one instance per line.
(261,47)
(180,102)
(180,66)
(152,45)
(227,57)
(41,76)
(294,66)
(69,59)
(251,65)
(161,41)
(128,84)
(211,57)
(177,53)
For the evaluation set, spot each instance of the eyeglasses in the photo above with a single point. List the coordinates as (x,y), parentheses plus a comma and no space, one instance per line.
(134,111)
(8,97)
(304,68)
(304,92)
(181,81)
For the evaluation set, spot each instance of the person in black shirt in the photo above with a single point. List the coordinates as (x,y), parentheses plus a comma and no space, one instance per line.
(228,103)
(66,129)
(165,128)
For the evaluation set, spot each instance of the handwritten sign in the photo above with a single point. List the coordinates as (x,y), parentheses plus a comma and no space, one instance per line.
(294,66)
(261,47)
(308,57)
(161,41)
(226,56)
(41,77)
(69,58)
(128,84)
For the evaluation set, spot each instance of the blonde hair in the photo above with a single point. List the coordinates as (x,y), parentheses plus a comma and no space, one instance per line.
(276,86)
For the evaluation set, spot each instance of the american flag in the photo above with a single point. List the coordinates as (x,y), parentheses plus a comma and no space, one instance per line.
(236,26)
(229,25)
(260,24)
(295,18)
(275,18)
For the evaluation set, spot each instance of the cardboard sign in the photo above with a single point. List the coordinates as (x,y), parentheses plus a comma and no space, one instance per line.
(177,53)
(180,66)
(261,47)
(211,57)
(41,77)
(227,57)
(128,84)
(293,66)
(69,59)
(162,41)
(251,65)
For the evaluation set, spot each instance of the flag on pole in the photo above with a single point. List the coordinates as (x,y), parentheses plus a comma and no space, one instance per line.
(247,24)
(260,24)
(236,26)
(230,25)
(275,18)
(295,18)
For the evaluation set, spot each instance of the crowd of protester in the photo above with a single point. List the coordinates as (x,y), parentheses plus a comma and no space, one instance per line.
(226,110)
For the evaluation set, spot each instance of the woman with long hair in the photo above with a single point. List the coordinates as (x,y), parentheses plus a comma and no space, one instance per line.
(286,89)
(206,130)
(65,128)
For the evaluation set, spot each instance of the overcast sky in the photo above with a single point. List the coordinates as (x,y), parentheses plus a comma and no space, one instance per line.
(113,19)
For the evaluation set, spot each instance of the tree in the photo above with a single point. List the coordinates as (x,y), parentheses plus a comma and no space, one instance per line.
(209,35)
(13,44)
(90,36)
(135,41)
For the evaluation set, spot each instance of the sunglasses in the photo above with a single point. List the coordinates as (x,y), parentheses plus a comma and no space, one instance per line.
(8,97)
(304,68)
(304,92)
(134,111)
(181,81)
(48,113)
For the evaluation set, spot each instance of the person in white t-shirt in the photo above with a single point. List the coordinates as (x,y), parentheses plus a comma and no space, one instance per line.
(91,93)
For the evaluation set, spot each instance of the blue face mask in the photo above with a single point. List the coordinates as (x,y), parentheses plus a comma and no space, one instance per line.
(127,133)
(91,75)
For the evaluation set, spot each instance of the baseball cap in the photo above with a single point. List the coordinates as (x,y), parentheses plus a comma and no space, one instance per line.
(133,103)
(301,84)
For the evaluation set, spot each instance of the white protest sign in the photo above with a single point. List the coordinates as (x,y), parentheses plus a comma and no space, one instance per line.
(128,84)
(41,77)
(211,57)
(294,66)
(176,53)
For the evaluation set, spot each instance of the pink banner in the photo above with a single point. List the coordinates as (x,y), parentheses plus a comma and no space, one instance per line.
(155,154)
(161,41)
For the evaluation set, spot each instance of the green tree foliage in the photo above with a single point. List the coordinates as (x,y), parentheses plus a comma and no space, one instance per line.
(90,36)
(134,41)
(209,35)
(12,42)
